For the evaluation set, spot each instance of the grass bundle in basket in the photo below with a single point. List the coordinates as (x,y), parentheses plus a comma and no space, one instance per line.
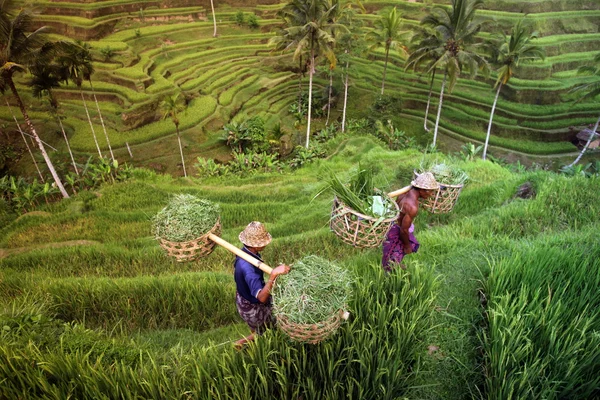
(313,291)
(443,173)
(360,194)
(185,218)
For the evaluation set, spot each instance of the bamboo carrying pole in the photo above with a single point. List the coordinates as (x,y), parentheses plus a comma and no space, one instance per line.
(399,191)
(228,246)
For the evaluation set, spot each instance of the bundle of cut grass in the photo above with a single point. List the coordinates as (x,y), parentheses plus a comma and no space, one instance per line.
(445,174)
(361,195)
(185,218)
(308,300)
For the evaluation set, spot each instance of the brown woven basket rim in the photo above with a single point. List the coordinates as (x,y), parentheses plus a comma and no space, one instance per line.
(367,217)
(319,325)
(203,237)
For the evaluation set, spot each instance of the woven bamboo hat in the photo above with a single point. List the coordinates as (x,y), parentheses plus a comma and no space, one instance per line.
(255,235)
(425,181)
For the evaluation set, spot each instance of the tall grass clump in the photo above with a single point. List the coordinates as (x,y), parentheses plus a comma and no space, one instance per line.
(542,340)
(376,355)
(186,217)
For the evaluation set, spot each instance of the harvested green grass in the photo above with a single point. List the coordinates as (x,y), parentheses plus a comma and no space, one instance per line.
(185,218)
(313,291)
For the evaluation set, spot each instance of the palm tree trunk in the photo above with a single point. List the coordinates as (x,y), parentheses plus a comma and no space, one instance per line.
(37,139)
(428,101)
(181,150)
(90,121)
(310,82)
(300,73)
(489,131)
(345,99)
(212,6)
(592,136)
(437,119)
(25,140)
(112,156)
(62,128)
(387,53)
(329,99)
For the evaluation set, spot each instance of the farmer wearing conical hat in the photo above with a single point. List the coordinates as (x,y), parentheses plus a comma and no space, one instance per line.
(253,297)
(401,240)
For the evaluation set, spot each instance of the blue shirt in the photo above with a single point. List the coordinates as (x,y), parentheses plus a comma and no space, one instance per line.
(249,280)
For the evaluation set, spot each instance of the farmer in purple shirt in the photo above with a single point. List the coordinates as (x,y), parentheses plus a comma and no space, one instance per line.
(400,239)
(253,297)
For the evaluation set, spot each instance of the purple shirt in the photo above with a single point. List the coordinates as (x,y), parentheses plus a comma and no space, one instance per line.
(249,280)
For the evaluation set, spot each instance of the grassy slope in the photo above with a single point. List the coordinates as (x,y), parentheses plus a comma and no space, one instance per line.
(91,283)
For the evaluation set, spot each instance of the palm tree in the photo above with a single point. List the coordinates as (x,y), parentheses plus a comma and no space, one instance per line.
(18,51)
(591,90)
(423,41)
(86,57)
(172,106)
(46,78)
(212,7)
(309,30)
(453,46)
(75,65)
(510,52)
(387,34)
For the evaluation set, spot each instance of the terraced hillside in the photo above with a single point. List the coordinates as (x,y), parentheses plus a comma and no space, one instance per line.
(159,48)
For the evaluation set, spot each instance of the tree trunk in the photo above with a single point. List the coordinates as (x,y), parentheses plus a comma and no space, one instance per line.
(428,102)
(329,98)
(592,136)
(310,82)
(387,53)
(54,105)
(112,156)
(181,150)
(300,74)
(25,140)
(437,120)
(489,131)
(90,121)
(37,139)
(212,6)
(345,98)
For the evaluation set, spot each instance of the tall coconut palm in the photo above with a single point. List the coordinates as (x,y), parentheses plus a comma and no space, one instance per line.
(212,7)
(18,50)
(422,42)
(388,34)
(46,78)
(309,30)
(172,106)
(455,31)
(591,90)
(511,51)
(88,70)
(25,141)
(75,65)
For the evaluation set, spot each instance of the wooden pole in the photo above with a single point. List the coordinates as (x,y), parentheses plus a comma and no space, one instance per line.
(398,192)
(228,246)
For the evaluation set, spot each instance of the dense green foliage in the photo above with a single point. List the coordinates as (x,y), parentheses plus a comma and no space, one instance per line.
(185,218)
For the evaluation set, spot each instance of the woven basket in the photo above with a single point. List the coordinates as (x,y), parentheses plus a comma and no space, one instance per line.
(194,249)
(444,200)
(357,229)
(310,333)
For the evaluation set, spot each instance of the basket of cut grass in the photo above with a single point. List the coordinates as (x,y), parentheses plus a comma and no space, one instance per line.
(451,180)
(183,226)
(309,302)
(361,215)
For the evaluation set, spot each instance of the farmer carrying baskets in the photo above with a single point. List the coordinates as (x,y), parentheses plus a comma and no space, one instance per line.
(253,295)
(400,239)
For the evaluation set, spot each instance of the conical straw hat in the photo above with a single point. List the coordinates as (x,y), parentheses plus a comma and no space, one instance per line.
(255,235)
(426,181)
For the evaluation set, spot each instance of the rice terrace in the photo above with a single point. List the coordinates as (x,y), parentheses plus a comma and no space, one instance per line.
(300,199)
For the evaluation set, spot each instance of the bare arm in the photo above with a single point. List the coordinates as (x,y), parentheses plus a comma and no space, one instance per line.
(264,294)
(409,212)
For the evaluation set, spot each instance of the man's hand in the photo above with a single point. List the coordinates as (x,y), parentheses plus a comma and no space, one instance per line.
(408,249)
(280,270)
